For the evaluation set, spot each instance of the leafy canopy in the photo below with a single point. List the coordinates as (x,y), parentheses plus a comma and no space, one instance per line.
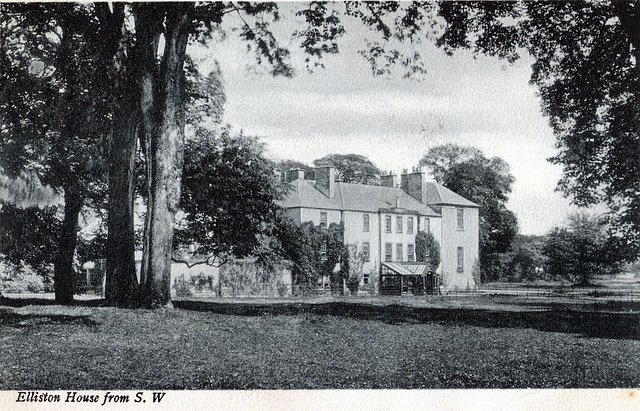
(229,194)
(582,250)
(353,168)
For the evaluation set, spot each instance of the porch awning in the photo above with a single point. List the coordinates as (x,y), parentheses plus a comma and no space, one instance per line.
(407,269)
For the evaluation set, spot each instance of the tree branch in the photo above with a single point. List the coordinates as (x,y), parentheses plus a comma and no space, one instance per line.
(210,261)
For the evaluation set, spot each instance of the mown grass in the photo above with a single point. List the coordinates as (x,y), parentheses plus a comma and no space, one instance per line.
(301,345)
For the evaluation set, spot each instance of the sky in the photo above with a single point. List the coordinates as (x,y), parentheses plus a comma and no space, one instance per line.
(470,101)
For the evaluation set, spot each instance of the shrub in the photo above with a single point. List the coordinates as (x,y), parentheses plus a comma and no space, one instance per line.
(428,249)
(182,286)
(353,283)
(282,287)
(20,279)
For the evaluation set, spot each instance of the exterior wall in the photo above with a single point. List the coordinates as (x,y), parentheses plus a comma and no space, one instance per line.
(313,214)
(354,234)
(435,228)
(302,215)
(295,214)
(452,238)
(394,237)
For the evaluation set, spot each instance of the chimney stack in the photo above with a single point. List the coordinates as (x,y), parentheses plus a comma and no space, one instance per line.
(390,180)
(294,174)
(415,184)
(326,180)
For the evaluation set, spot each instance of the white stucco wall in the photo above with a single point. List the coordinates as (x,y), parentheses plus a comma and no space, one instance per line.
(354,234)
(454,237)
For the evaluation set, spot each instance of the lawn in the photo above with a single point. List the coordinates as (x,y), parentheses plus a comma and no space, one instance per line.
(369,343)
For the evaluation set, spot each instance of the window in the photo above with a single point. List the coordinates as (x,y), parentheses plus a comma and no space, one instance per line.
(460,218)
(410,252)
(399,253)
(365,223)
(388,256)
(410,225)
(387,221)
(399,224)
(427,224)
(323,220)
(460,259)
(323,250)
(365,279)
(366,250)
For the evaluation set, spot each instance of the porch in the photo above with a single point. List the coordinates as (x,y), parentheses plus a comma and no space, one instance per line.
(408,279)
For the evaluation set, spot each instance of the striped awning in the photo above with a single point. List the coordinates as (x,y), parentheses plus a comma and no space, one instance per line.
(407,269)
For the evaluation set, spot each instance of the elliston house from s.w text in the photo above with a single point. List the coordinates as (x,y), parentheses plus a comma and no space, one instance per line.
(382,222)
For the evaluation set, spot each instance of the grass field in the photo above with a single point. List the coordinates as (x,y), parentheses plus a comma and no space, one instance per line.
(433,342)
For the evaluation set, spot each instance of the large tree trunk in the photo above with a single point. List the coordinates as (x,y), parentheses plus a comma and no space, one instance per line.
(64,275)
(163,109)
(121,280)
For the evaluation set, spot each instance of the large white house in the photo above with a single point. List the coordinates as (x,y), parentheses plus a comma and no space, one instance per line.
(382,222)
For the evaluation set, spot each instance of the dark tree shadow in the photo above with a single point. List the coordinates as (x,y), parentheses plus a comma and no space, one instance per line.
(616,320)
(15,320)
(549,317)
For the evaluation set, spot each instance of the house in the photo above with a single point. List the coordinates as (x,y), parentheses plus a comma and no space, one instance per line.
(382,222)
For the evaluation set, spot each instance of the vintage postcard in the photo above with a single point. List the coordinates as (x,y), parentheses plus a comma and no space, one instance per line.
(397,205)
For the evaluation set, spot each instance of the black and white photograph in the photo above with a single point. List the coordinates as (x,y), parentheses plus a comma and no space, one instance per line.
(232,197)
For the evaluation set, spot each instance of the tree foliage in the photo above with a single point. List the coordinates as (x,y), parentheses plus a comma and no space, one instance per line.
(582,250)
(525,260)
(303,245)
(29,236)
(229,194)
(353,168)
(427,249)
(439,160)
(585,68)
(54,113)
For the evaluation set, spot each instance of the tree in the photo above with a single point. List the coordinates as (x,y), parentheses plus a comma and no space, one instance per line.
(286,165)
(439,160)
(526,260)
(589,84)
(303,246)
(161,78)
(427,249)
(353,168)
(55,113)
(229,194)
(583,249)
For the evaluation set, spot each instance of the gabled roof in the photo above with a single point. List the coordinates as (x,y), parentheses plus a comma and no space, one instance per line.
(437,194)
(353,197)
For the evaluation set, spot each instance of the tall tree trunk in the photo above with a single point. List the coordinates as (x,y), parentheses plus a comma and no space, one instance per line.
(64,275)
(121,280)
(163,109)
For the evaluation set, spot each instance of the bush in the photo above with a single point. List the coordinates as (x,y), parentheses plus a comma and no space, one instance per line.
(283,288)
(353,283)
(182,287)
(20,279)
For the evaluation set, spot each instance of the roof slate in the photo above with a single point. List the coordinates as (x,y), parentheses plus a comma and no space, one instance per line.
(353,197)
(437,194)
